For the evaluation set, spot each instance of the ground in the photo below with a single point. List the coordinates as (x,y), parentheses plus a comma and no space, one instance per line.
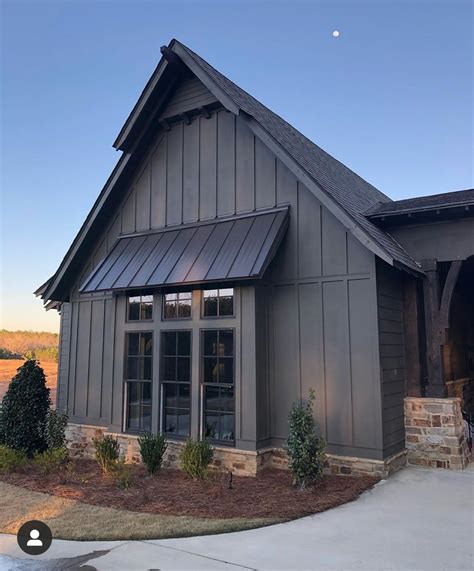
(84,504)
(8,369)
(417,519)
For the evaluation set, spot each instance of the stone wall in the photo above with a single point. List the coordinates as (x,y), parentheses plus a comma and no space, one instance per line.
(240,462)
(435,433)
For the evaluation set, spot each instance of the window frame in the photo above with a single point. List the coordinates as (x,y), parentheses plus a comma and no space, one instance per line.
(229,316)
(127,307)
(203,384)
(161,384)
(173,319)
(127,381)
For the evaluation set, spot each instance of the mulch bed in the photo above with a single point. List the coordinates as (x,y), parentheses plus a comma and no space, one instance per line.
(170,492)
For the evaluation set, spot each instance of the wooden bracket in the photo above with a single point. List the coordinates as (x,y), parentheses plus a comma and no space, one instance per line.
(445,306)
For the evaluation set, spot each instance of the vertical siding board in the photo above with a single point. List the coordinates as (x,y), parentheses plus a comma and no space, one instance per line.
(128,214)
(142,189)
(108,360)
(284,265)
(95,365)
(174,195)
(225,163)
(247,381)
(360,260)
(82,358)
(208,168)
(285,339)
(309,234)
(337,371)
(191,172)
(158,186)
(311,349)
(245,168)
(265,195)
(118,373)
(63,365)
(113,232)
(362,323)
(334,259)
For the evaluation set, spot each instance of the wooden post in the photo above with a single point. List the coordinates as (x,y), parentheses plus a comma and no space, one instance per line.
(436,386)
(412,337)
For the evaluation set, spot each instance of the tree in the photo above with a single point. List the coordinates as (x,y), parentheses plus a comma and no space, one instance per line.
(24,410)
(305,448)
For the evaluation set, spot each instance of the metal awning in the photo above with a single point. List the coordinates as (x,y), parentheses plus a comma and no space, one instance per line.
(229,249)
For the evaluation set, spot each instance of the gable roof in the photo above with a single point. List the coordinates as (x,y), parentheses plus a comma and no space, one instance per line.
(343,192)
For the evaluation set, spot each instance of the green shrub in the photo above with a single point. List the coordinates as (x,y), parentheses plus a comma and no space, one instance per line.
(196,457)
(152,449)
(24,409)
(123,474)
(11,460)
(55,429)
(52,460)
(306,456)
(107,452)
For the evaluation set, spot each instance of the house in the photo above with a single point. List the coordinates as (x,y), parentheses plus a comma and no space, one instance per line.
(229,265)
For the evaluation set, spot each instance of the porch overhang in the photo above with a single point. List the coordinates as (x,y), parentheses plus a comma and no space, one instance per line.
(233,249)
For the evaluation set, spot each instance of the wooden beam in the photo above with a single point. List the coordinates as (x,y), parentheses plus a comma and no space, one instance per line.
(170,56)
(412,337)
(436,386)
(445,307)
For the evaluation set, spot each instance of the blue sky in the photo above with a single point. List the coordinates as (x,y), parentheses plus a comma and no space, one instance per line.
(391,97)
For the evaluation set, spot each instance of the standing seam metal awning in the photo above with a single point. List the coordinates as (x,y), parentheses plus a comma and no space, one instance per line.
(230,249)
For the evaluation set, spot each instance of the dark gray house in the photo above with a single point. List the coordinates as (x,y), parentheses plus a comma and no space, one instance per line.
(228,266)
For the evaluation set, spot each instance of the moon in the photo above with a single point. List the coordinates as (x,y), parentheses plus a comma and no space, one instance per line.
(336,34)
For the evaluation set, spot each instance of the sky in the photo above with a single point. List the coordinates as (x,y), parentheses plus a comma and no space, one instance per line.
(391,97)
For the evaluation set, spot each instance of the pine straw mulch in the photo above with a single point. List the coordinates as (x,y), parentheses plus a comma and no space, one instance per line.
(170,492)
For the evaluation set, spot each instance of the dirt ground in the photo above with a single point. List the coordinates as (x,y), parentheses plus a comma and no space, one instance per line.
(270,495)
(8,369)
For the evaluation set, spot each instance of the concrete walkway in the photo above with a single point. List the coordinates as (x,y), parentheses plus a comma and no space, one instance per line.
(418,519)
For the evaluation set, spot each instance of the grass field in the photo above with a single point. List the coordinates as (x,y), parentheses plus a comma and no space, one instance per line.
(8,369)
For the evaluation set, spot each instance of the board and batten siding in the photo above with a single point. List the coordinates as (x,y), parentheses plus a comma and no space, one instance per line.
(392,356)
(315,318)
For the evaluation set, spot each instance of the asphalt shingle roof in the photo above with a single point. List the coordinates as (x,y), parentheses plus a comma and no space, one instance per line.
(445,200)
(349,190)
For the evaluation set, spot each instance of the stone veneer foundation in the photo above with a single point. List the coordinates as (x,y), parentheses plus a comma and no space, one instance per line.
(435,433)
(240,462)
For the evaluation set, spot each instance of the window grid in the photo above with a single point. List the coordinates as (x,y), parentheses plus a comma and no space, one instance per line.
(176,382)
(140,307)
(177,305)
(218,302)
(138,380)
(218,402)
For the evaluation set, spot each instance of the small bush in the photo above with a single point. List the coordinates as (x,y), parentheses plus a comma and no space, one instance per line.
(196,457)
(123,475)
(107,452)
(306,456)
(11,460)
(52,460)
(152,449)
(55,429)
(24,409)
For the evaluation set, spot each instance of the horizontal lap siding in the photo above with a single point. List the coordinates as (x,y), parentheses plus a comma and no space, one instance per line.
(392,356)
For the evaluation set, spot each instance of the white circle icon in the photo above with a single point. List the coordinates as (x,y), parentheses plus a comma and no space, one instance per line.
(336,34)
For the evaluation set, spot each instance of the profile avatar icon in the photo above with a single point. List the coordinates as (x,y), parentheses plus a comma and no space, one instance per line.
(34,540)
(34,537)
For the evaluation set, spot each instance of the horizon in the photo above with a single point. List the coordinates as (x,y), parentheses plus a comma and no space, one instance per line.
(390,97)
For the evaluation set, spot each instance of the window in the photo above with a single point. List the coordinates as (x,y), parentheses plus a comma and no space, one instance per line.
(217,374)
(177,305)
(218,302)
(140,308)
(176,382)
(138,377)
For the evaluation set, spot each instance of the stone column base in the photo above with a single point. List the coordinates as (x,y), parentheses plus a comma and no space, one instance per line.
(435,433)
(240,462)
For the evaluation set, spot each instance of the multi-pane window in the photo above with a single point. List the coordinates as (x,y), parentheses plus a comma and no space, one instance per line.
(138,380)
(217,370)
(175,380)
(218,302)
(177,305)
(140,308)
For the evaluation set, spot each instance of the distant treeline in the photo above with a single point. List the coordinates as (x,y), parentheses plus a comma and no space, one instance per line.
(40,345)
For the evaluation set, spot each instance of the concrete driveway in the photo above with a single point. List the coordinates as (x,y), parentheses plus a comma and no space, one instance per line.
(418,519)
